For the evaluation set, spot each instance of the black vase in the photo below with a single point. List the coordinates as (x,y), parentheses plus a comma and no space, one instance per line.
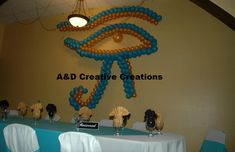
(51,115)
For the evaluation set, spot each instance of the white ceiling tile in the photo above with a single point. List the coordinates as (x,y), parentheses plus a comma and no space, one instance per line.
(5,9)
(43,3)
(54,10)
(22,16)
(65,9)
(44,12)
(41,11)
(30,9)
(24,4)
(7,19)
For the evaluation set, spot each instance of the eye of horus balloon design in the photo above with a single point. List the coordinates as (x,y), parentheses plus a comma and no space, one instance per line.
(86,48)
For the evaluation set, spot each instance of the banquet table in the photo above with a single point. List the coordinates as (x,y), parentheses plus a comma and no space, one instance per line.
(129,141)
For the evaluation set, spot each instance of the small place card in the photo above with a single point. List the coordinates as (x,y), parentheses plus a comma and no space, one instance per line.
(88,125)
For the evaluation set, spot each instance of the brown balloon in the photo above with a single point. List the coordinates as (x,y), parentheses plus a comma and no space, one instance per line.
(117,37)
(135,95)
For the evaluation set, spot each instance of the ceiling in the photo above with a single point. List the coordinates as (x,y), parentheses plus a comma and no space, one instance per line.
(19,10)
(227,5)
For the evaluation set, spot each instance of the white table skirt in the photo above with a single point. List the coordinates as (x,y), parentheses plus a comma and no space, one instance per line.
(168,142)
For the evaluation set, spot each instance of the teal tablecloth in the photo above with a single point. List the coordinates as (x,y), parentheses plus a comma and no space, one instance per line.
(48,133)
(212,146)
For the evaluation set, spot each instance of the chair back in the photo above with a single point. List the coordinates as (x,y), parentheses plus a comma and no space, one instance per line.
(20,138)
(214,141)
(216,135)
(78,142)
(139,126)
(106,122)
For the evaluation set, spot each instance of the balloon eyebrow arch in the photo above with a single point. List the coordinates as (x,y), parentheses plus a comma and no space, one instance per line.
(148,46)
(90,44)
(114,13)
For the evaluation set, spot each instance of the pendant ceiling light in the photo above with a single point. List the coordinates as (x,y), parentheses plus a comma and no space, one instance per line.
(78,19)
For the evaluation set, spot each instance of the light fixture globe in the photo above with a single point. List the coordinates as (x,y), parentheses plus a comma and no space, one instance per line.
(78,20)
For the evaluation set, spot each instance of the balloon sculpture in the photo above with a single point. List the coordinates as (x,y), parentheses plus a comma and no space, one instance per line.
(120,115)
(51,110)
(86,48)
(85,114)
(36,110)
(159,121)
(22,108)
(4,104)
(149,118)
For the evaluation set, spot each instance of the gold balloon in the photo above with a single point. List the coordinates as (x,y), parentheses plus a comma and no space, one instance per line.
(88,99)
(155,22)
(117,37)
(135,95)
(159,121)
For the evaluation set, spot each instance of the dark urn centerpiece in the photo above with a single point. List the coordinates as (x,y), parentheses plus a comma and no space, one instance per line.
(149,120)
(51,110)
(4,109)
